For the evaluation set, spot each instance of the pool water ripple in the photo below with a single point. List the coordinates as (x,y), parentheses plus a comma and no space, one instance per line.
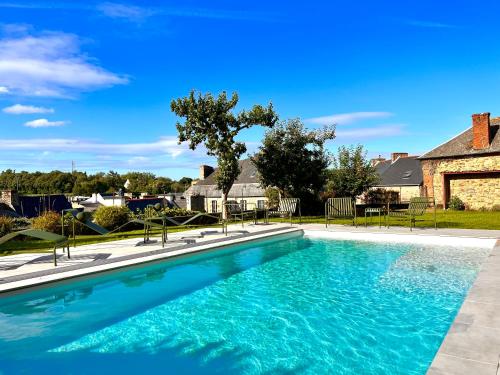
(294,305)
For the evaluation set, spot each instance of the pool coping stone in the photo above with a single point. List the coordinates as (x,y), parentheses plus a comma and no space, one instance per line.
(472,344)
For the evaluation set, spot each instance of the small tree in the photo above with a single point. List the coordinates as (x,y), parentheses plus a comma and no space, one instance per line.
(211,121)
(352,174)
(293,159)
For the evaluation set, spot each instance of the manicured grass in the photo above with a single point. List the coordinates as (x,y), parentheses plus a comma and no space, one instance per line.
(445,219)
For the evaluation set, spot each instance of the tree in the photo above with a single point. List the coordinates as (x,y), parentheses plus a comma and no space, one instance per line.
(294,160)
(352,174)
(211,121)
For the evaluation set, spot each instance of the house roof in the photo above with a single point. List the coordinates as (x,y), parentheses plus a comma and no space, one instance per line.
(402,172)
(34,205)
(461,145)
(246,185)
(248,174)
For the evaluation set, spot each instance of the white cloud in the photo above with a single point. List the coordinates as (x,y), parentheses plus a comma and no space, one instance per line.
(389,130)
(128,12)
(347,118)
(50,65)
(44,123)
(4,90)
(19,109)
(165,145)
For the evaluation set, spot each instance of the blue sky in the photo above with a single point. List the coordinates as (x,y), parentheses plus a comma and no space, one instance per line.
(92,81)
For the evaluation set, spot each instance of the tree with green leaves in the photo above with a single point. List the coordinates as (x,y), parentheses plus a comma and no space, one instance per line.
(211,121)
(294,160)
(352,173)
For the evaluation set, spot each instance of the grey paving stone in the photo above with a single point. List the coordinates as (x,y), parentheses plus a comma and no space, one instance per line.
(486,293)
(446,365)
(482,314)
(471,341)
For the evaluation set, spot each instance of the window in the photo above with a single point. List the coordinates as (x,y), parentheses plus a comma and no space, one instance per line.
(261,204)
(407,175)
(214,206)
(243,205)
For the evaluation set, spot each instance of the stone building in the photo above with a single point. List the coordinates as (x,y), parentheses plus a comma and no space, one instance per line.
(204,195)
(401,174)
(467,166)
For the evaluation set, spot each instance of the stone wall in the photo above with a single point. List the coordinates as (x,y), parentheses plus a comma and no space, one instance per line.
(477,192)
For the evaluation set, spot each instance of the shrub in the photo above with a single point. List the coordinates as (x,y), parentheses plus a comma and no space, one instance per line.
(456,204)
(177,212)
(19,223)
(112,217)
(6,225)
(273,197)
(496,207)
(49,221)
(79,227)
(381,196)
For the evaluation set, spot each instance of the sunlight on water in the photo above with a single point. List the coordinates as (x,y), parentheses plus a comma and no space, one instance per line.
(293,305)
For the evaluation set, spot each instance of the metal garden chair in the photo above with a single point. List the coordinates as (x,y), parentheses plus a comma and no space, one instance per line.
(287,207)
(417,207)
(340,208)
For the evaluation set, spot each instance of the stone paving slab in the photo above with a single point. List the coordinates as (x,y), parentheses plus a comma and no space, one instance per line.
(472,345)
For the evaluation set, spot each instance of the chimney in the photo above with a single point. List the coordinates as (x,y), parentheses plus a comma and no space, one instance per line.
(396,155)
(205,171)
(376,161)
(10,198)
(481,131)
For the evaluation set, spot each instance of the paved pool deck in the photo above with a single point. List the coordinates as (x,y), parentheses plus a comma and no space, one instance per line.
(472,345)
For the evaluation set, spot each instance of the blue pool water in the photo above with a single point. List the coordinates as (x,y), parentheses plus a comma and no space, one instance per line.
(287,305)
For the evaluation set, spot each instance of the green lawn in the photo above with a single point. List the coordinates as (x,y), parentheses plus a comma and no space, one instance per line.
(445,219)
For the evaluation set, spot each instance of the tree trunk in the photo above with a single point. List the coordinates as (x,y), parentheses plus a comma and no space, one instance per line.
(224,208)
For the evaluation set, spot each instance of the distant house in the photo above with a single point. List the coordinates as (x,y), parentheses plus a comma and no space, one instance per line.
(97,199)
(401,174)
(467,166)
(32,205)
(204,195)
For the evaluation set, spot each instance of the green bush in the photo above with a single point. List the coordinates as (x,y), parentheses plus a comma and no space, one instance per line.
(20,223)
(80,228)
(6,225)
(273,197)
(456,204)
(177,212)
(49,221)
(112,217)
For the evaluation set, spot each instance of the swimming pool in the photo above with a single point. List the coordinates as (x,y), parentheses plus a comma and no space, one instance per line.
(287,304)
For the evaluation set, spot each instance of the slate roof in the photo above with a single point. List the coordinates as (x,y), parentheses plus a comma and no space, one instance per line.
(34,205)
(248,174)
(246,185)
(403,172)
(461,145)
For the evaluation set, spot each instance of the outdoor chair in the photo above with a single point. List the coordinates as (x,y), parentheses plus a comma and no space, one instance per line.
(340,208)
(287,207)
(236,212)
(417,207)
(56,239)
